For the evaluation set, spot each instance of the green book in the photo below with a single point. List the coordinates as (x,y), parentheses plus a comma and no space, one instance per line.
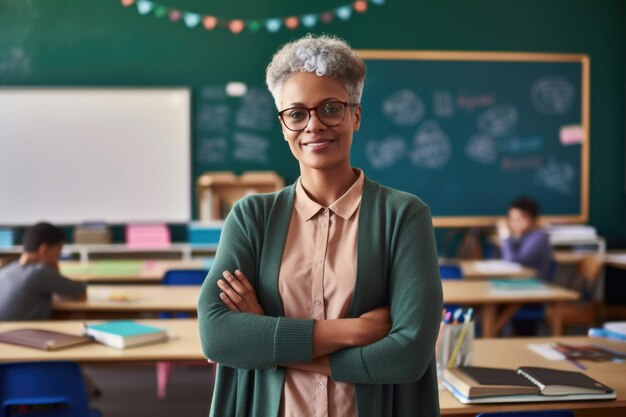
(121,334)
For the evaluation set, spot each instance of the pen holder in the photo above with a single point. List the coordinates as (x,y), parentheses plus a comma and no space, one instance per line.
(454,346)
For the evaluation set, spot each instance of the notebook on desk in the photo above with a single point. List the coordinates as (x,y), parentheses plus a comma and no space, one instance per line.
(42,339)
(472,384)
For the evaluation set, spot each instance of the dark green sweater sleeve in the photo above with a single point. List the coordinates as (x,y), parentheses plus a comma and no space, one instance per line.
(416,302)
(242,340)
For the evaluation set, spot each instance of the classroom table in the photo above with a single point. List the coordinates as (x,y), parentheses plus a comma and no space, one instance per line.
(126,271)
(183,345)
(471,271)
(128,300)
(514,352)
(497,307)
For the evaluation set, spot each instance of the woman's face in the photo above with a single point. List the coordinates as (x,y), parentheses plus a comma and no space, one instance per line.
(319,146)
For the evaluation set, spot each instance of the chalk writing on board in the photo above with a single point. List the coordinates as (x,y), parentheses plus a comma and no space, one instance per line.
(552,95)
(213,118)
(443,104)
(213,93)
(385,153)
(250,148)
(497,120)
(482,149)
(520,163)
(557,176)
(431,146)
(256,110)
(520,145)
(212,150)
(14,64)
(470,102)
(404,108)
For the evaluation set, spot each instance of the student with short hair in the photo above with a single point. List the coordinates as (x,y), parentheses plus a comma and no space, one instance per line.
(27,285)
(523,241)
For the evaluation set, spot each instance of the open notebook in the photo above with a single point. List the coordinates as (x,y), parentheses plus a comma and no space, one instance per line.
(472,384)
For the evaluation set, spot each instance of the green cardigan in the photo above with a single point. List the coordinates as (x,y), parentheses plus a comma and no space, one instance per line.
(396,266)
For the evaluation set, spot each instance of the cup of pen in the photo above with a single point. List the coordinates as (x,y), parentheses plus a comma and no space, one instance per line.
(455,341)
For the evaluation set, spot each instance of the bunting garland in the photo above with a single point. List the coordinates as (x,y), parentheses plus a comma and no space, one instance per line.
(192,20)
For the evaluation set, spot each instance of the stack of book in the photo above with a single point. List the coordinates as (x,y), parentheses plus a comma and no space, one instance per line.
(472,384)
(122,334)
(573,235)
(148,236)
(615,330)
(205,233)
(92,233)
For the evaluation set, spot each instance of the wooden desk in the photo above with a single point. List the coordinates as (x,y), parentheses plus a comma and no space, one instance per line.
(513,352)
(143,299)
(497,307)
(184,346)
(124,271)
(472,272)
(155,298)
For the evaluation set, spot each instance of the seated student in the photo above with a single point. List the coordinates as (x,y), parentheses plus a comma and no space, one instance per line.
(27,285)
(523,241)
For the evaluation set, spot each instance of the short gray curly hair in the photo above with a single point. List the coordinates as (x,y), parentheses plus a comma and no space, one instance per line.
(324,55)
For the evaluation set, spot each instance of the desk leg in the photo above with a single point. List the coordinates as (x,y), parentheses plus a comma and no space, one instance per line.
(506,314)
(488,315)
(557,320)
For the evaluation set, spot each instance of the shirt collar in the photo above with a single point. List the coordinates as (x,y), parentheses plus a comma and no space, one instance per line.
(345,206)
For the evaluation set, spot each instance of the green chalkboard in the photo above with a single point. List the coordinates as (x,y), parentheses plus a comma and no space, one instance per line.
(470,132)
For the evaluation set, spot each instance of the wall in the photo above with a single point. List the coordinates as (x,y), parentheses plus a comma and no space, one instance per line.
(74,42)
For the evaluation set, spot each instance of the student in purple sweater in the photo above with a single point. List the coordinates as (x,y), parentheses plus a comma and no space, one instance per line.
(522,240)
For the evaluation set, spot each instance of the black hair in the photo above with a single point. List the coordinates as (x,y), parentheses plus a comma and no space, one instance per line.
(41,233)
(526,205)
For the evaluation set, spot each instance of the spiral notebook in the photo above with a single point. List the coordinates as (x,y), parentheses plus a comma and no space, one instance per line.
(471,384)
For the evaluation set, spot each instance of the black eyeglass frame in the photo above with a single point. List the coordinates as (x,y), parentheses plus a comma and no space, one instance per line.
(316,108)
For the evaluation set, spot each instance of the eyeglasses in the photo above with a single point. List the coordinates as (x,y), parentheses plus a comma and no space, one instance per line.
(331,114)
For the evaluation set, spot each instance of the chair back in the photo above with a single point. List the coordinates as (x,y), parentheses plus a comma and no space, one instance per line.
(450,272)
(42,384)
(184,277)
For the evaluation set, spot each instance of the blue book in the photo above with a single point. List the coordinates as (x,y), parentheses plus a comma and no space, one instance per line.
(121,334)
(605,333)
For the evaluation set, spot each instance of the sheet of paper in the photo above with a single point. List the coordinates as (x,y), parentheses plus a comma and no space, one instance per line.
(547,351)
(572,135)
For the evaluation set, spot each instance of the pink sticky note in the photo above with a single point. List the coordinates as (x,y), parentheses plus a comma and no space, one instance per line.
(571,135)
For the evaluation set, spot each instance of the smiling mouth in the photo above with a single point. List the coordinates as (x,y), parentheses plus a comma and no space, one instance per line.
(319,144)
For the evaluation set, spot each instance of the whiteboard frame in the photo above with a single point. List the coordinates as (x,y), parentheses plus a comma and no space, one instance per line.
(477,56)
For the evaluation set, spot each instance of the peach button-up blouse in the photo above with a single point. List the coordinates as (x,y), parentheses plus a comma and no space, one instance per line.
(316,280)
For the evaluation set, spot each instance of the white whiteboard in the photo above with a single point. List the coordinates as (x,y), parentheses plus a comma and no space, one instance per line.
(74,154)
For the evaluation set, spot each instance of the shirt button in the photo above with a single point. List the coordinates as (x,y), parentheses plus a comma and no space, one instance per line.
(323,225)
(321,385)
(317,303)
(318,261)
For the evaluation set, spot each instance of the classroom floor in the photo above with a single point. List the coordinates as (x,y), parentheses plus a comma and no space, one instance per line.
(130,391)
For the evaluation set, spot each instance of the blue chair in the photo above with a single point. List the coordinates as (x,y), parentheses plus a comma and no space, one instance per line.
(43,389)
(538,413)
(182,277)
(534,314)
(176,277)
(450,272)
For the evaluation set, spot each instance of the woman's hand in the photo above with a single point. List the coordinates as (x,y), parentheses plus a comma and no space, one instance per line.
(237,293)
